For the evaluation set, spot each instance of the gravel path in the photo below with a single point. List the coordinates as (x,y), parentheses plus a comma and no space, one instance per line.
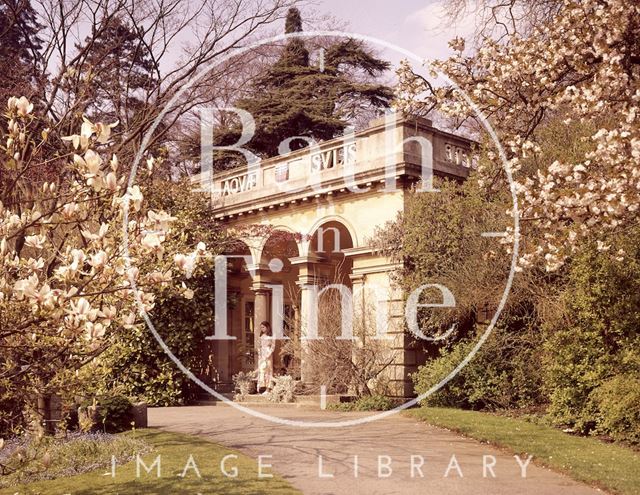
(395,455)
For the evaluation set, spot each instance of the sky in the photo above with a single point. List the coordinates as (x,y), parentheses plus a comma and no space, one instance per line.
(416,25)
(419,26)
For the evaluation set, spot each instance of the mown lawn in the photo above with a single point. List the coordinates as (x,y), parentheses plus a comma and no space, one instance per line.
(612,467)
(175,450)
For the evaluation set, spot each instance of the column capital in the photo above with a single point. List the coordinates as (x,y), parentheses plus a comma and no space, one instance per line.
(306,279)
(309,259)
(260,288)
(257,267)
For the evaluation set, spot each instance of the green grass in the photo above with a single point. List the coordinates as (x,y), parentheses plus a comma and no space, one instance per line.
(368,403)
(609,466)
(175,450)
(68,456)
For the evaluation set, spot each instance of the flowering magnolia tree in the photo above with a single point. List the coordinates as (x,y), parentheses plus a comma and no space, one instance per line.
(578,69)
(68,282)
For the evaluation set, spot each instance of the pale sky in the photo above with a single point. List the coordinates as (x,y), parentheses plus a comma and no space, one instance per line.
(416,25)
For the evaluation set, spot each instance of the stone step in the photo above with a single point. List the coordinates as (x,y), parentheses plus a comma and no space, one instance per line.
(254,400)
(206,398)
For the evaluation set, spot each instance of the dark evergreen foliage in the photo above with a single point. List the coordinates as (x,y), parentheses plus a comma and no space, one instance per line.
(122,73)
(20,48)
(297,98)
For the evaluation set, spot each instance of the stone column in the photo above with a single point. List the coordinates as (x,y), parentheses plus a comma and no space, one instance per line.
(261,312)
(359,324)
(305,282)
(307,279)
(359,298)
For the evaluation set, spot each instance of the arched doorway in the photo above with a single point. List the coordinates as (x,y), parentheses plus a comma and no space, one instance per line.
(325,301)
(328,243)
(283,305)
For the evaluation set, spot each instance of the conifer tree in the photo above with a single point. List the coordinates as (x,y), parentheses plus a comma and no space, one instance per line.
(120,74)
(20,48)
(297,98)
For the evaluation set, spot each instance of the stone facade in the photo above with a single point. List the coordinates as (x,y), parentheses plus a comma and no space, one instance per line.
(316,211)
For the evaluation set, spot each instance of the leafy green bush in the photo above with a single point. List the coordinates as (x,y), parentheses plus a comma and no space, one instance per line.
(135,364)
(139,367)
(438,239)
(374,403)
(114,413)
(366,403)
(617,406)
(503,374)
(457,392)
(582,363)
(593,350)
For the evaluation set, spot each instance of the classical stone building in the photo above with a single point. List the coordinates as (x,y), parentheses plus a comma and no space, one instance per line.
(315,211)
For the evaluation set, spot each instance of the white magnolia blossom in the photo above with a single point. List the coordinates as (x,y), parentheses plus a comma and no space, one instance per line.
(61,253)
(579,66)
(99,260)
(87,130)
(187,292)
(160,220)
(152,241)
(22,106)
(35,241)
(134,194)
(186,264)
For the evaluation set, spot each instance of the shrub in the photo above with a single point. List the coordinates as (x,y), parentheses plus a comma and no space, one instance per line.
(457,392)
(373,403)
(113,413)
(243,384)
(592,351)
(135,363)
(503,374)
(366,403)
(617,408)
(283,389)
(341,364)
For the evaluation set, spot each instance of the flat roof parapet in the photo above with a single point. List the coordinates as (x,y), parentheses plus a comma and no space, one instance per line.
(393,147)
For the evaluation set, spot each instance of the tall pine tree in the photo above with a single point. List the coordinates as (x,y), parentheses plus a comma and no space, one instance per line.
(20,48)
(120,74)
(297,98)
